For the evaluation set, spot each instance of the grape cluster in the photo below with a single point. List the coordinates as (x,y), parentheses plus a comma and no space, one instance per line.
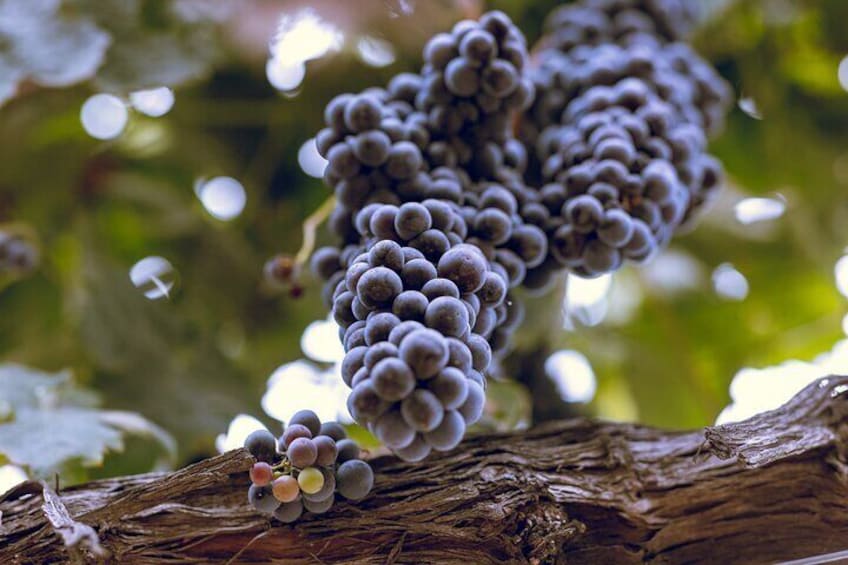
(618,131)
(305,468)
(442,212)
(414,323)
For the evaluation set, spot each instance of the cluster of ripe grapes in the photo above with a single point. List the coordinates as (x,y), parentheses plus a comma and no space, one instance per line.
(442,210)
(304,469)
(618,131)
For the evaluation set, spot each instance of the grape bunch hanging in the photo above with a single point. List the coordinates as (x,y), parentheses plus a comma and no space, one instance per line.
(494,169)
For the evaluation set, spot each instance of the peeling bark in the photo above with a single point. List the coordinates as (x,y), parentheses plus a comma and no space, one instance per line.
(774,487)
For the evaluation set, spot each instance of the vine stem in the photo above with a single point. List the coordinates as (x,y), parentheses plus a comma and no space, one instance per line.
(310,227)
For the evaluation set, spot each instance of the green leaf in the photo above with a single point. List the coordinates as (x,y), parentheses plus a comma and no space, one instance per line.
(22,387)
(55,428)
(44,441)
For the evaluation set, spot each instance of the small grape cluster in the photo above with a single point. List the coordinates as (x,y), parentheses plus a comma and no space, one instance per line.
(305,468)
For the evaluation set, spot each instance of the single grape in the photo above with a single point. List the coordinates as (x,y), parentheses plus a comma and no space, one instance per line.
(478,46)
(493,225)
(465,266)
(364,403)
(386,253)
(412,219)
(432,243)
(402,330)
(362,374)
(325,262)
(372,147)
(354,479)
(481,352)
(309,419)
(261,473)
(493,290)
(262,445)
(262,498)
(347,450)
(416,273)
(326,489)
(294,432)
(449,432)
(378,286)
(448,316)
(459,355)
(422,410)
(382,222)
(378,352)
(403,161)
(327,451)
(410,305)
(362,113)
(333,430)
(289,511)
(311,480)
(302,452)
(393,431)
(319,506)
(415,451)
(472,409)
(285,488)
(379,326)
(352,362)
(450,386)
(425,351)
(393,379)
(462,78)
(440,287)
(342,161)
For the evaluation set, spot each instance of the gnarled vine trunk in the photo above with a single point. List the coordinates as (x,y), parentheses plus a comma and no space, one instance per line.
(771,488)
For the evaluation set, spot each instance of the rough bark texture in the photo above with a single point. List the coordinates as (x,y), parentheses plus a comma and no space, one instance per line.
(771,488)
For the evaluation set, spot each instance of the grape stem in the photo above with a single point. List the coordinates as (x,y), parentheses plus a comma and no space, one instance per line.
(310,226)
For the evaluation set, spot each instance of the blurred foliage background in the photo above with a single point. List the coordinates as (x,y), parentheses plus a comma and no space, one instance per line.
(754,285)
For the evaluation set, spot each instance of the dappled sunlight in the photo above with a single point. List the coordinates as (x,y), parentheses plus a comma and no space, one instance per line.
(300,37)
(104,116)
(154,276)
(241,427)
(572,374)
(756,390)
(223,197)
(299,385)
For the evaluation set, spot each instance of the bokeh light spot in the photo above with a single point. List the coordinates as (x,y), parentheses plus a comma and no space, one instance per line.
(729,283)
(312,163)
(154,276)
(104,116)
(223,197)
(154,102)
(572,374)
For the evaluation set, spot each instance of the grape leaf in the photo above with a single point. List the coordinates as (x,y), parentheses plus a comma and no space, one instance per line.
(51,425)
